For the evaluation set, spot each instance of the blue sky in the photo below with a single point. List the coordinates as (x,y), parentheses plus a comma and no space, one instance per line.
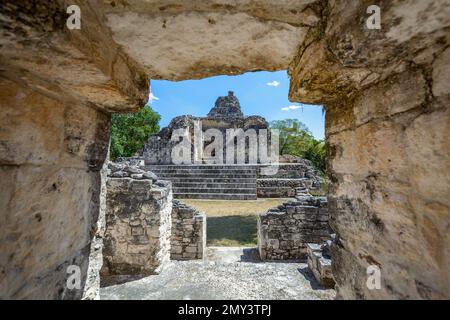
(260,93)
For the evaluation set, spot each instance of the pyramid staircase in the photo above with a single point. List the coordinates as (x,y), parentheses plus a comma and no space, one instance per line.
(224,182)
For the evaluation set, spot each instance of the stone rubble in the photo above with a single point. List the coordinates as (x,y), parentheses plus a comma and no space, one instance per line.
(226,107)
(320,263)
(132,168)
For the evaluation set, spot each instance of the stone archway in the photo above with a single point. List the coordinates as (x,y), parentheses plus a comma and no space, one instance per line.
(386,94)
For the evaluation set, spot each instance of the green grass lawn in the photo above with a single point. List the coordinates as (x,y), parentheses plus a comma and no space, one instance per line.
(232,223)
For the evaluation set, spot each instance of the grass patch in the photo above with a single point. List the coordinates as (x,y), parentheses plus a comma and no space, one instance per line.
(231,231)
(232,223)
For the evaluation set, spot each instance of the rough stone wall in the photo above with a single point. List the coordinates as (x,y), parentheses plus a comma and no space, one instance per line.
(387,125)
(280,188)
(288,178)
(283,232)
(386,93)
(188,240)
(81,66)
(138,226)
(51,157)
(92,285)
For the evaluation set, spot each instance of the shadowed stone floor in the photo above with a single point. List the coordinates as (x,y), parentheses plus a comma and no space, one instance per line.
(227,273)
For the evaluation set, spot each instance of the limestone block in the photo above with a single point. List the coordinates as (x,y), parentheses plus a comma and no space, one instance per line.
(138,227)
(188,239)
(283,232)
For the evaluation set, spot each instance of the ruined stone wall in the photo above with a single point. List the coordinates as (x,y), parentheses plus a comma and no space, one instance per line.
(283,232)
(387,100)
(188,240)
(51,155)
(279,188)
(138,226)
(288,177)
(386,94)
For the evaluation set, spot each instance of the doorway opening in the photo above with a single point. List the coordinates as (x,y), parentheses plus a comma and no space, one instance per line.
(230,196)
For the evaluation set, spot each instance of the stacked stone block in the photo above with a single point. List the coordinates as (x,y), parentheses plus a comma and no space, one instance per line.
(188,239)
(319,262)
(138,223)
(284,231)
(289,176)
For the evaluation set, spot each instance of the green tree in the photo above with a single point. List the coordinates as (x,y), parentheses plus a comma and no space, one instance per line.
(297,140)
(130,131)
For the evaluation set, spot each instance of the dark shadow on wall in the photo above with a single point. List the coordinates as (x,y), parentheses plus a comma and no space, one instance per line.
(231,231)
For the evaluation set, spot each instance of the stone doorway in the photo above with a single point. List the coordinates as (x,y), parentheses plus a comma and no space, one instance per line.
(233,223)
(386,93)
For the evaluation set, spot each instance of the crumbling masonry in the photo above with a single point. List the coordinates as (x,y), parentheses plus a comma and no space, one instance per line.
(385,91)
(144,227)
(283,232)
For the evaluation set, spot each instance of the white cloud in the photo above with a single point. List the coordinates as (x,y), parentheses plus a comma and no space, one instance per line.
(291,107)
(152,97)
(273,83)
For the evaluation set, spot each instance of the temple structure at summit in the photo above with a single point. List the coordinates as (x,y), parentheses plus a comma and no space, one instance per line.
(206,171)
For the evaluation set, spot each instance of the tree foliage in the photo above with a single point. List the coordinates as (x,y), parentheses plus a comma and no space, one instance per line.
(297,140)
(130,131)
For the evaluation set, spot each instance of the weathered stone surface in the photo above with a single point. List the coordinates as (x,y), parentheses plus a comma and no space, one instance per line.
(50,160)
(225,275)
(92,286)
(226,107)
(76,67)
(226,114)
(388,165)
(387,116)
(188,240)
(283,232)
(319,262)
(267,36)
(299,173)
(138,226)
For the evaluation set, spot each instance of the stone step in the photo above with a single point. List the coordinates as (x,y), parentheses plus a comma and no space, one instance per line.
(204,167)
(217,196)
(206,175)
(177,190)
(226,182)
(208,180)
(201,171)
(221,184)
(274,189)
